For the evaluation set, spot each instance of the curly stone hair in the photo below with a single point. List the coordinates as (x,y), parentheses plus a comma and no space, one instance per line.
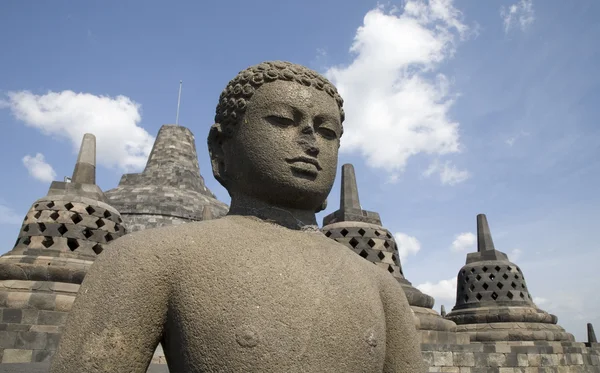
(235,97)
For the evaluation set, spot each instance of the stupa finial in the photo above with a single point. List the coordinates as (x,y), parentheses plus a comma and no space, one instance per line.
(591,334)
(85,168)
(484,236)
(350,209)
(443,311)
(349,196)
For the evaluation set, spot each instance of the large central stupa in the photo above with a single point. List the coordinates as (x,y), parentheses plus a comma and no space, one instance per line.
(170,190)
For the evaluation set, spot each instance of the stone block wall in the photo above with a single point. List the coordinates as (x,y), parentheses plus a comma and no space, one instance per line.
(32,316)
(512,357)
(139,222)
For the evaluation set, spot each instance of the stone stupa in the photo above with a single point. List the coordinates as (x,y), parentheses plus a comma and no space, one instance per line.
(170,190)
(362,232)
(59,239)
(493,302)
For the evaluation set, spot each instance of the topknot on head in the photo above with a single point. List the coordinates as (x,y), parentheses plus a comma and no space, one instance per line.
(234,98)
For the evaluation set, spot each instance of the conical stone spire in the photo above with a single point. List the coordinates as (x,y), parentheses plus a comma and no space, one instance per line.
(492,299)
(484,236)
(485,243)
(349,196)
(61,236)
(170,190)
(85,168)
(591,335)
(350,209)
(362,232)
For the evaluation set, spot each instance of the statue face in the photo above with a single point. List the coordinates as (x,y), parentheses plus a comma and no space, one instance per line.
(284,150)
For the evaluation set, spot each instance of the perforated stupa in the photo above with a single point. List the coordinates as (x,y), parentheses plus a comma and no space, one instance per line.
(492,299)
(362,232)
(59,239)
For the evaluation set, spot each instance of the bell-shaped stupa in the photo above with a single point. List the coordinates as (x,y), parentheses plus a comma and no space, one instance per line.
(493,302)
(363,233)
(61,236)
(170,190)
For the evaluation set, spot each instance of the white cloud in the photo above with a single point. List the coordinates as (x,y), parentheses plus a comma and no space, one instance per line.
(39,168)
(567,305)
(520,14)
(9,216)
(114,122)
(539,301)
(515,254)
(443,291)
(449,174)
(511,140)
(397,103)
(407,245)
(464,241)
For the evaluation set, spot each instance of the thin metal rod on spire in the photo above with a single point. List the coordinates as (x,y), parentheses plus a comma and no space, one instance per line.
(178,102)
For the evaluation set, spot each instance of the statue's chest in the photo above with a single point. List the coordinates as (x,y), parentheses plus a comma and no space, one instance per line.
(300,311)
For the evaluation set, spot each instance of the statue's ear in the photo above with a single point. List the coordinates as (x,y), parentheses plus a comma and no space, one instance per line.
(216,138)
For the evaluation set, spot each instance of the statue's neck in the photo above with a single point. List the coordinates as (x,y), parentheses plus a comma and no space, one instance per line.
(286,217)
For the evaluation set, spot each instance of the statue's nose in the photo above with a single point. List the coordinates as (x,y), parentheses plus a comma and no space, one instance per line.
(312,151)
(309,141)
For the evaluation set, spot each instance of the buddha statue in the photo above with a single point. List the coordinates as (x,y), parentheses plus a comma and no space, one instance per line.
(261,289)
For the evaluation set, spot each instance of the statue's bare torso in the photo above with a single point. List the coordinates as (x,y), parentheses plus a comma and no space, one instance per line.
(275,300)
(254,291)
(238,295)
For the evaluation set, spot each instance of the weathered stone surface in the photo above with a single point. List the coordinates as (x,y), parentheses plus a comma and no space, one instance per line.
(492,299)
(43,367)
(261,289)
(170,190)
(518,356)
(34,303)
(362,232)
(60,237)
(85,168)
(350,210)
(591,335)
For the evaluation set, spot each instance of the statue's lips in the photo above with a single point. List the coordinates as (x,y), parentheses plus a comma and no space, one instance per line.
(305,163)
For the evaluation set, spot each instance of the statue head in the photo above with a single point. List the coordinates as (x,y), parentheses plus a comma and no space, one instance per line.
(276,135)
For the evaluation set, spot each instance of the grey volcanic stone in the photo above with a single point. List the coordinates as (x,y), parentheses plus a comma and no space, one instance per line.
(591,335)
(85,168)
(170,190)
(59,239)
(350,209)
(362,232)
(45,367)
(492,299)
(261,290)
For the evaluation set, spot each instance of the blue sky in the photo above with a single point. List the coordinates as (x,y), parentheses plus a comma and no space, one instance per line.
(454,108)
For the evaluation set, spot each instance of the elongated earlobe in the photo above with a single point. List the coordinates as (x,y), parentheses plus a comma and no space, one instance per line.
(216,138)
(322,207)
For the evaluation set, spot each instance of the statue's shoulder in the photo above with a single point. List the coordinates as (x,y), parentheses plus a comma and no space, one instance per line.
(193,234)
(169,244)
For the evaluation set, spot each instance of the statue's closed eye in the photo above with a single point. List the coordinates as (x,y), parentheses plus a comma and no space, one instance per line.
(327,133)
(280,121)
